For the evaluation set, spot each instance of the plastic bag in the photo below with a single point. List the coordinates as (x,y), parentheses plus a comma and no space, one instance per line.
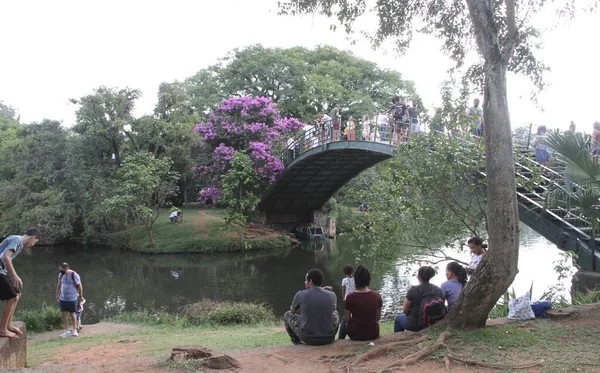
(520,308)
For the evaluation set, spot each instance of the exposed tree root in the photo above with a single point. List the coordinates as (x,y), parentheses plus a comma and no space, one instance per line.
(382,350)
(497,366)
(411,359)
(447,362)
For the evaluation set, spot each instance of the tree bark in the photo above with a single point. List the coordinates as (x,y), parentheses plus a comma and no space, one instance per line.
(184,184)
(499,267)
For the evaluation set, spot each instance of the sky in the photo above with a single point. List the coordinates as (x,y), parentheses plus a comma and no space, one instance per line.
(62,49)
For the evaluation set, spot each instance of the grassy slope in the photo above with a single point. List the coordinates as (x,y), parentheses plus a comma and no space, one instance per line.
(201,232)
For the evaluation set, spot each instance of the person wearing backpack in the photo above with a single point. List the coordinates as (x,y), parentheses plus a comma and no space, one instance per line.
(69,291)
(423,305)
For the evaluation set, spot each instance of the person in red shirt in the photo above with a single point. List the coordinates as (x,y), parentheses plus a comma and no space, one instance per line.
(363,308)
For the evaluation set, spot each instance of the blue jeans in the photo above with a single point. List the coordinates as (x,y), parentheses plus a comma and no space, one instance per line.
(343,329)
(400,323)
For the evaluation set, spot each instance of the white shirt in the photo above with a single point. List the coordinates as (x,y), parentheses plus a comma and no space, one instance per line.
(173,214)
(348,282)
(475,260)
(381,119)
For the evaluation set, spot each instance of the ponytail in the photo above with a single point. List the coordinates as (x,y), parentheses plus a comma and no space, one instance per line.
(459,271)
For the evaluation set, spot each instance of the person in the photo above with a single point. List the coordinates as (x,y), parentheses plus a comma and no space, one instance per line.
(572,127)
(312,318)
(382,127)
(542,155)
(477,253)
(10,292)
(173,216)
(362,308)
(457,279)
(366,128)
(415,125)
(78,312)
(596,139)
(351,127)
(347,288)
(475,115)
(327,126)
(336,119)
(412,316)
(68,292)
(400,125)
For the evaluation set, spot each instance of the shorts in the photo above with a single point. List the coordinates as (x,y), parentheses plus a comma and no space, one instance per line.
(542,155)
(68,306)
(8,291)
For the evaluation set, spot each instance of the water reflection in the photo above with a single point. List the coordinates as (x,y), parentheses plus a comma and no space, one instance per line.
(116,281)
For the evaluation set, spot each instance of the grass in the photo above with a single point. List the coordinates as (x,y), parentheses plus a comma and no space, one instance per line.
(45,319)
(201,232)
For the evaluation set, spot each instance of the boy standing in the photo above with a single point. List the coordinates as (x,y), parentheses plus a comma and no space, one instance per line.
(9,290)
(68,292)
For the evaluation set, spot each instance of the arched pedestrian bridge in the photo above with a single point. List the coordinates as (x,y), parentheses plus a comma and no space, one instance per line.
(315,169)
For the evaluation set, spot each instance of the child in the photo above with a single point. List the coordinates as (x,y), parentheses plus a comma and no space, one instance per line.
(348,287)
(78,312)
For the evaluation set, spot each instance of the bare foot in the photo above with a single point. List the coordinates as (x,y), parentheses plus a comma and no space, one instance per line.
(14,329)
(7,334)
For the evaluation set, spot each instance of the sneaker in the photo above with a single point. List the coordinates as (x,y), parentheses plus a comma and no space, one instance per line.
(74,333)
(79,328)
(66,333)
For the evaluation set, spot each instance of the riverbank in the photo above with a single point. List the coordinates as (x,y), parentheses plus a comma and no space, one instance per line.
(202,231)
(559,345)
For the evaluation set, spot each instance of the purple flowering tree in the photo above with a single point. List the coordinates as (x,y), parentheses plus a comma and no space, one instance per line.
(252,125)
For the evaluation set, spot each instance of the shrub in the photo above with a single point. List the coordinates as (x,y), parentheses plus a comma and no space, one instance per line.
(147,318)
(47,318)
(227,313)
(589,297)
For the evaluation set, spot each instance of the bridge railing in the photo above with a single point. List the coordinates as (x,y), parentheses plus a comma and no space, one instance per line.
(321,135)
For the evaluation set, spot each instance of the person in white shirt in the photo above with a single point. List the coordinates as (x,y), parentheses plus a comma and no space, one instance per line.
(348,287)
(382,121)
(477,253)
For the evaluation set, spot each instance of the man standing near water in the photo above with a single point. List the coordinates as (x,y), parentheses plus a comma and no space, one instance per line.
(313,319)
(68,291)
(10,290)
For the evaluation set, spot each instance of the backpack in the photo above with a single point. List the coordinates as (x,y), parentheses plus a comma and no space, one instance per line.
(431,310)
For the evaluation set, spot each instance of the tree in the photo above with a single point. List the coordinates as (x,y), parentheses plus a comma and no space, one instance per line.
(105,115)
(302,82)
(249,124)
(240,186)
(143,184)
(505,41)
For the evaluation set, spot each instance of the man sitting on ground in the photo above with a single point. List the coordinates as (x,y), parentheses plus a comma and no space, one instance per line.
(313,318)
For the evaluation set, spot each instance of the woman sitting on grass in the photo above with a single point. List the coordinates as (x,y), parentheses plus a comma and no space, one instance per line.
(457,279)
(363,308)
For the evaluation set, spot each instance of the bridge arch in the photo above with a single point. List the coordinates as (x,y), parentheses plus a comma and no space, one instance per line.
(314,176)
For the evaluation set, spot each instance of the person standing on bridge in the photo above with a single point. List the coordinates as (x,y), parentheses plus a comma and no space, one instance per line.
(542,155)
(381,126)
(336,119)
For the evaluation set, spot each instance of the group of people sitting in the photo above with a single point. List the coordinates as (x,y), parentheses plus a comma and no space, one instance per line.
(313,318)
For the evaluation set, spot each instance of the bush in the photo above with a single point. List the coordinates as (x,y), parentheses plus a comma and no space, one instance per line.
(47,318)
(227,313)
(148,318)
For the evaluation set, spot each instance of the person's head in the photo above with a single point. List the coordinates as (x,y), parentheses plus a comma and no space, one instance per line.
(362,277)
(476,102)
(425,274)
(541,130)
(31,237)
(476,245)
(348,270)
(396,99)
(456,272)
(314,277)
(572,126)
(63,268)
(597,126)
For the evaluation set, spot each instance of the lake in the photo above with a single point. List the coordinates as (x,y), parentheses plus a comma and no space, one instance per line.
(116,281)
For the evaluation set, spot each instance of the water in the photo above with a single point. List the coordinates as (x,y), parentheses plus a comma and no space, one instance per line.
(116,281)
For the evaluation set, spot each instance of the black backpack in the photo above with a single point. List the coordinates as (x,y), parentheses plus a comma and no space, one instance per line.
(431,309)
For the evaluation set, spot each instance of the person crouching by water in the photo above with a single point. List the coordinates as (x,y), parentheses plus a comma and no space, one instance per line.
(363,308)
(312,318)
(477,253)
(457,279)
(423,304)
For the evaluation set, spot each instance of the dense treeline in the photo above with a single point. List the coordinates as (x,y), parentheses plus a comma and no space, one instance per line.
(111,168)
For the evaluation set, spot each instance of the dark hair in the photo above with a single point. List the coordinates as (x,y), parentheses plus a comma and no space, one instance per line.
(316,276)
(395,99)
(65,265)
(33,232)
(477,242)
(426,273)
(362,277)
(459,271)
(541,129)
(597,126)
(348,269)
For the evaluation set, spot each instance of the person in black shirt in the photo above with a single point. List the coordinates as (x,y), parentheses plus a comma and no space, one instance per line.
(408,320)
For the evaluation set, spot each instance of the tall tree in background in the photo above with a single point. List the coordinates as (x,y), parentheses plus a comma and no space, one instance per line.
(300,81)
(505,41)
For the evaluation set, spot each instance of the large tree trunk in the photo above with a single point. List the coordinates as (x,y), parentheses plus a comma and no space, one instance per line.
(499,267)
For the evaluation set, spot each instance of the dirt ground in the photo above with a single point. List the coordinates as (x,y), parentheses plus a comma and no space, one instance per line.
(120,355)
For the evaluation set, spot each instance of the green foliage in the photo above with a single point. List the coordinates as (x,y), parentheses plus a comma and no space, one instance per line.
(589,297)
(205,312)
(301,81)
(240,188)
(45,319)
